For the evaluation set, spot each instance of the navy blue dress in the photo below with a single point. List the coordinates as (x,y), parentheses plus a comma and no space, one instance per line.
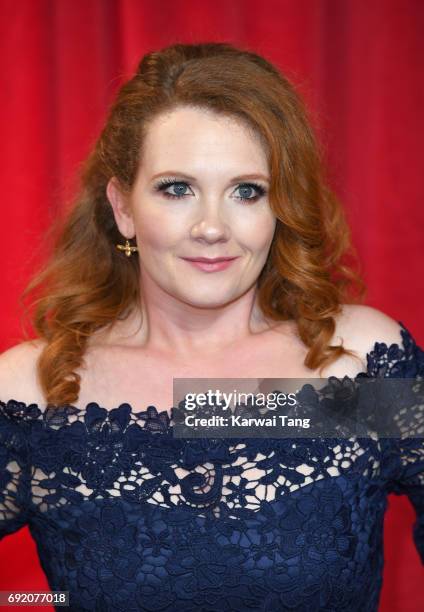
(127,517)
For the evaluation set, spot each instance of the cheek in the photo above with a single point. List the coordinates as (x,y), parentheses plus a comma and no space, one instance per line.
(162,231)
(158,231)
(256,233)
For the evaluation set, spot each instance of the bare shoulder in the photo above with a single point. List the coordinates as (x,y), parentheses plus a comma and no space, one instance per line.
(358,328)
(18,379)
(362,326)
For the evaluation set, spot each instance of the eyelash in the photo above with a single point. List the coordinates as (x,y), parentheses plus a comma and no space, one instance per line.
(165,183)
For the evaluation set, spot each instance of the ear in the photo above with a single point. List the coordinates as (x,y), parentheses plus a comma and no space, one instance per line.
(121,208)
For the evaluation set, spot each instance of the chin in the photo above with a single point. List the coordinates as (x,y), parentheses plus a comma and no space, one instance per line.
(204,301)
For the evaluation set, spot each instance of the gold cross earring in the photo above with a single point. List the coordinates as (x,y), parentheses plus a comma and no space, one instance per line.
(127,248)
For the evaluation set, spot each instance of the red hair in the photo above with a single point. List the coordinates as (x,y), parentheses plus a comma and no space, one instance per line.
(309,272)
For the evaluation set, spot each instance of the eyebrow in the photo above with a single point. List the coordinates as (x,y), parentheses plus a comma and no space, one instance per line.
(241,177)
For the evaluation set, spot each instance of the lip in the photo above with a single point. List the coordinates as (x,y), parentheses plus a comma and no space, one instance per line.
(210,265)
(209,259)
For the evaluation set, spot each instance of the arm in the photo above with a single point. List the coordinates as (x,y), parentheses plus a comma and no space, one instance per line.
(409,481)
(17,381)
(397,355)
(14,474)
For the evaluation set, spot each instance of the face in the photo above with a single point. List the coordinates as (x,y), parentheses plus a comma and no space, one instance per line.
(201,191)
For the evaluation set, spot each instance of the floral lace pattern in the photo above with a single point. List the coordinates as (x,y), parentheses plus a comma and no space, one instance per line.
(127,517)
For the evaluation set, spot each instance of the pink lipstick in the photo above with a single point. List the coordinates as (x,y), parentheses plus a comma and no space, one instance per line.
(209,264)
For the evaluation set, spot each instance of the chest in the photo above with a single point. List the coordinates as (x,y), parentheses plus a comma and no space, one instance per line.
(186,538)
(113,375)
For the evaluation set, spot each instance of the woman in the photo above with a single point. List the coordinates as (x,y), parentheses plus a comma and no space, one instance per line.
(207,154)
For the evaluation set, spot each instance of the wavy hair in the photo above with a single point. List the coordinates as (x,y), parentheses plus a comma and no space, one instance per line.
(310,270)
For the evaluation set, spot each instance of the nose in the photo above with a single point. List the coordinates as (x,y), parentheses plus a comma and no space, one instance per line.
(210,225)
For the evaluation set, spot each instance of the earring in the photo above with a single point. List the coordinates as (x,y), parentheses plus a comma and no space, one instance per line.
(127,248)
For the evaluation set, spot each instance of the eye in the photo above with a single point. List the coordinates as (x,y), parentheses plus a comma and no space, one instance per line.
(247,188)
(179,186)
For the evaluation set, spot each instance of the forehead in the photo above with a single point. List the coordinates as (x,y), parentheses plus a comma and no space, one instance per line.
(200,138)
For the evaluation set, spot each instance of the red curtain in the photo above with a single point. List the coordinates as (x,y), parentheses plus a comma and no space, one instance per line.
(357,63)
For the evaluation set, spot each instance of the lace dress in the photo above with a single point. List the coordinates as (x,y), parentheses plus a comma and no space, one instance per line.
(127,517)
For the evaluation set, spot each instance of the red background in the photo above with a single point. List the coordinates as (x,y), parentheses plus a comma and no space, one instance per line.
(357,63)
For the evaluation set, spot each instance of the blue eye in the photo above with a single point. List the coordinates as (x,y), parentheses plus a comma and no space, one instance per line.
(180,187)
(247,188)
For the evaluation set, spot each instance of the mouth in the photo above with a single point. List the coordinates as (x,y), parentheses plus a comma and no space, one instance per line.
(209,259)
(208,264)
